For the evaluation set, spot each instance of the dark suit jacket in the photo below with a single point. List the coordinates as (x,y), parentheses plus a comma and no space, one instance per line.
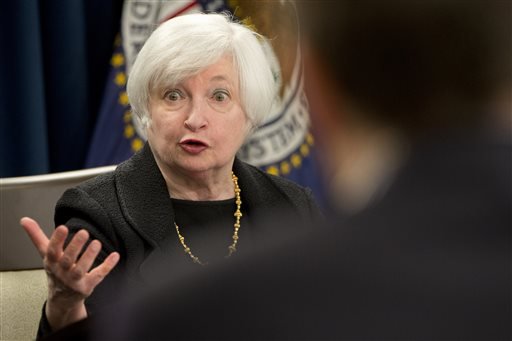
(430,261)
(129,210)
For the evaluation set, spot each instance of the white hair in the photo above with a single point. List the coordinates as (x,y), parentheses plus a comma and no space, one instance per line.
(185,45)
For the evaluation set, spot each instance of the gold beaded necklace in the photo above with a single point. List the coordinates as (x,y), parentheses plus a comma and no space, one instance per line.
(238,215)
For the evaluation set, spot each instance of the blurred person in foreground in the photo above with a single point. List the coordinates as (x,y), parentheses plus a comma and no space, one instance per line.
(200,85)
(413,102)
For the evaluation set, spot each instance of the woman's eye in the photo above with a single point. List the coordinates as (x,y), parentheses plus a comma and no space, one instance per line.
(173,95)
(220,96)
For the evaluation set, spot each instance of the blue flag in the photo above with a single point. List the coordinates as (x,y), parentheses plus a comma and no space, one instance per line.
(115,138)
(284,145)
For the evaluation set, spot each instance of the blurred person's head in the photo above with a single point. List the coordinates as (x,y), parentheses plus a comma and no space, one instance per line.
(381,74)
(412,64)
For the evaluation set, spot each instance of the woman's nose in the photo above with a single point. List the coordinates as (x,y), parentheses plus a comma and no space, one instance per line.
(196,118)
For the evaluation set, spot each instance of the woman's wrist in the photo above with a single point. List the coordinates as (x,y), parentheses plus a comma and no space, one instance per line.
(60,315)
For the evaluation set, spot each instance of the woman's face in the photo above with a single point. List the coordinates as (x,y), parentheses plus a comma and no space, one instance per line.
(199,125)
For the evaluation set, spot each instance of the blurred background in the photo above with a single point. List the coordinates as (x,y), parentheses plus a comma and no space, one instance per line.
(64,69)
(54,66)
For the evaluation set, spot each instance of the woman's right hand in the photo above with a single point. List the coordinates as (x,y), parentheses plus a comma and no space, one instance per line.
(70,277)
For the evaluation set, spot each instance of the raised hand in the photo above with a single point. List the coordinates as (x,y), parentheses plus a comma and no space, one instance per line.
(70,277)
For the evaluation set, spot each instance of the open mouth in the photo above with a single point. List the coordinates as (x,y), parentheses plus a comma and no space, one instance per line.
(194,143)
(193,146)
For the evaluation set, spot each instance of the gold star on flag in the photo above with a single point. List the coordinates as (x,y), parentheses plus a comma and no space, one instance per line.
(120,79)
(273,170)
(129,131)
(127,117)
(117,60)
(310,140)
(304,149)
(296,160)
(123,98)
(137,144)
(285,167)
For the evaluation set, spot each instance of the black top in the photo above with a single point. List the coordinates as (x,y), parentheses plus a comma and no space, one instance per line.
(207,227)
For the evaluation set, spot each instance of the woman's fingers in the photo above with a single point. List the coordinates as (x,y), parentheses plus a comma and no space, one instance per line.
(73,249)
(86,261)
(56,244)
(53,250)
(63,265)
(36,234)
(96,275)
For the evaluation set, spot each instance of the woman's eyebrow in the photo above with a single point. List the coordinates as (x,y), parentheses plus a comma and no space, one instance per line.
(219,78)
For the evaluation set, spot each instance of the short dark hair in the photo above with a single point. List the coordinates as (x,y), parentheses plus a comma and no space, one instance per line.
(414,63)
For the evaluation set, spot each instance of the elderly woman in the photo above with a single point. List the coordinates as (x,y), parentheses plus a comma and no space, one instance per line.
(200,84)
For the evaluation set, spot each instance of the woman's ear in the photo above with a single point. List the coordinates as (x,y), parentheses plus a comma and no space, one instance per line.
(250,128)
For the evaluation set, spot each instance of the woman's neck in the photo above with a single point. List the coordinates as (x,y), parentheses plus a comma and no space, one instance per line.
(200,186)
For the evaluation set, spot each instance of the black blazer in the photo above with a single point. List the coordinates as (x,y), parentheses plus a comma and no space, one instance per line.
(129,210)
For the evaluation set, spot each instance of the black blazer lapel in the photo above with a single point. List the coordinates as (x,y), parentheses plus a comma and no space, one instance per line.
(262,201)
(144,199)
